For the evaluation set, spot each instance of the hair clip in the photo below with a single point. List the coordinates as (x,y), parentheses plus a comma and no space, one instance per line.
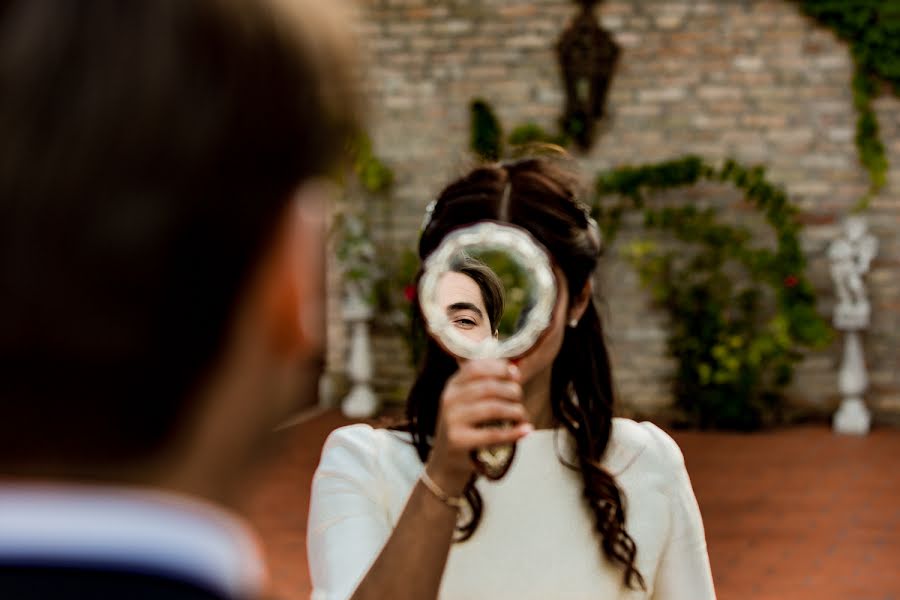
(429,211)
(503,212)
(594,233)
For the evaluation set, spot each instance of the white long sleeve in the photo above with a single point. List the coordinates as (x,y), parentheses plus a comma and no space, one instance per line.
(536,539)
(684,572)
(348,523)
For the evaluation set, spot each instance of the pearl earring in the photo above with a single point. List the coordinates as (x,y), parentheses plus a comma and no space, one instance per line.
(573,323)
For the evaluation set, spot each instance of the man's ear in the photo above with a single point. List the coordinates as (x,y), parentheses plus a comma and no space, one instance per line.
(580,303)
(294,278)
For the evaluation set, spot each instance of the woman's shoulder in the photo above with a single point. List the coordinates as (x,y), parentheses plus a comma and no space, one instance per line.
(356,435)
(362,445)
(641,445)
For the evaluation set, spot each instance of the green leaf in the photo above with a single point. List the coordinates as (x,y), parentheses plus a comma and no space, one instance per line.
(486,135)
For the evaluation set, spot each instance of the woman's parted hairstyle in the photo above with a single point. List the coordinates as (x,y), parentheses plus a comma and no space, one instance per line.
(542,198)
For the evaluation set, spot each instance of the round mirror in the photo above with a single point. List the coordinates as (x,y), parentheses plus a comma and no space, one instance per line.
(488,291)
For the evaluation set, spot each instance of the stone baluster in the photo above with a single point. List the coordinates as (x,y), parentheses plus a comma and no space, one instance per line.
(850,256)
(361,402)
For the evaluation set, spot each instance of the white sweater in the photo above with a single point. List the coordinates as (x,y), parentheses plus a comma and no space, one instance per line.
(536,539)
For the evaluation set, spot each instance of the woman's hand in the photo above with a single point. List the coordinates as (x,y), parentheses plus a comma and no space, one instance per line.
(480,391)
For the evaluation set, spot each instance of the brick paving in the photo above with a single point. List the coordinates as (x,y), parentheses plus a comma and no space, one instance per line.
(790,514)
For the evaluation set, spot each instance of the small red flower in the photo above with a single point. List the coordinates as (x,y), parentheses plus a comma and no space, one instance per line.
(409,292)
(790,281)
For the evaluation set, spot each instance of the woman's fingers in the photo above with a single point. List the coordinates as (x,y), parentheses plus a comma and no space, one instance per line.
(487,368)
(483,380)
(469,438)
(466,433)
(490,410)
(480,392)
(485,389)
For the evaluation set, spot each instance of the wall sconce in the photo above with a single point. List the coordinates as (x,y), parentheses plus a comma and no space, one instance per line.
(587,58)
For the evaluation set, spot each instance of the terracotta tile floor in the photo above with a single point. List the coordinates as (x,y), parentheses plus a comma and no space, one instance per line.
(790,514)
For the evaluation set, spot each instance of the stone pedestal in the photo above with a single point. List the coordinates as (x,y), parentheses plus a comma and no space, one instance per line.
(361,402)
(852,417)
(850,257)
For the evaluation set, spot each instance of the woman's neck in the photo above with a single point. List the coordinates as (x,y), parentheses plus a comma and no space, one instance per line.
(536,398)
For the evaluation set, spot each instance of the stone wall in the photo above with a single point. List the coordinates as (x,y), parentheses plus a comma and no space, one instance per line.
(753,80)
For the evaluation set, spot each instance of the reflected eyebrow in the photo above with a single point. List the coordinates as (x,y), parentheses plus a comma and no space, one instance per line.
(456,306)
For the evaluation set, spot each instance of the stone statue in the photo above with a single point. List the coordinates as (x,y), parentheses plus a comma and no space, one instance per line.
(850,257)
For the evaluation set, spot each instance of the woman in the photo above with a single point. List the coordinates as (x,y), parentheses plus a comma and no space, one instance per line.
(472,296)
(592,507)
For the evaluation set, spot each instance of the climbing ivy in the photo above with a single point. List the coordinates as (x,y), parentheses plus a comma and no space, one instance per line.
(372,172)
(531,133)
(736,336)
(735,344)
(384,275)
(486,134)
(872,30)
(361,266)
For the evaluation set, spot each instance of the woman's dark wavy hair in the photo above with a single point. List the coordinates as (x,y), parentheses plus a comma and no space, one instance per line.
(543,200)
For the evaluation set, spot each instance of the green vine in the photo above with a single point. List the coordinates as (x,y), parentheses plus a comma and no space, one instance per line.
(530,134)
(487,135)
(362,267)
(383,275)
(373,174)
(872,29)
(736,337)
(736,345)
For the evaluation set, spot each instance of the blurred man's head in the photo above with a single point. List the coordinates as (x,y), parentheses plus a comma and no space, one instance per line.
(160,228)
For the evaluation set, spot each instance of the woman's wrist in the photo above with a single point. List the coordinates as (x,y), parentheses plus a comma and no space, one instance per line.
(454,501)
(451,482)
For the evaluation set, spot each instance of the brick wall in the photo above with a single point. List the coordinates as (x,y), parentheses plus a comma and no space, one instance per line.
(753,80)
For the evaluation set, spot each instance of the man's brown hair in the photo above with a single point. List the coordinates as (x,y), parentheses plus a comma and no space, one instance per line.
(148,150)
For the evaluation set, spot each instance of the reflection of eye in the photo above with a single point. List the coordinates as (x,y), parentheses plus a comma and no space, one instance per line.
(465,323)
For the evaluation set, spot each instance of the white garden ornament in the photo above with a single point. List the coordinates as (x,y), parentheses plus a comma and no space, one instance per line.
(360,271)
(361,402)
(850,257)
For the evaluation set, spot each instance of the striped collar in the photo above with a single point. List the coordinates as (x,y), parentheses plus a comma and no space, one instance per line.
(130,529)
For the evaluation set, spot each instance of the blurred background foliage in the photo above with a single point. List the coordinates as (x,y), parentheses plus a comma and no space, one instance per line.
(517,287)
(871,29)
(740,315)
